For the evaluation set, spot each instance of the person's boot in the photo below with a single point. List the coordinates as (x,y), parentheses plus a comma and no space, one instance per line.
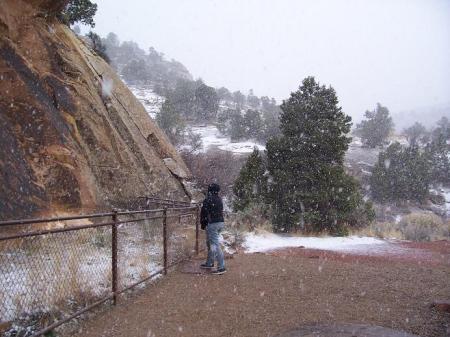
(206,266)
(219,271)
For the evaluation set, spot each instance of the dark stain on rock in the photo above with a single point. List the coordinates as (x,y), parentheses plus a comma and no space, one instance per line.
(37,89)
(60,95)
(19,195)
(62,186)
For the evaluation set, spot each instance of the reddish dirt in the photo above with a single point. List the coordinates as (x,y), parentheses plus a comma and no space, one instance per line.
(273,293)
(421,253)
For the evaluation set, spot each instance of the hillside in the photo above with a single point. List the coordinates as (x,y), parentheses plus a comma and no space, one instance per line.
(73,135)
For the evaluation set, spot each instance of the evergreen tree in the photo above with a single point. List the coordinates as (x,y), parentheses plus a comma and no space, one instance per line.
(207,102)
(401,174)
(253,100)
(136,71)
(308,184)
(183,98)
(271,125)
(438,154)
(237,129)
(98,46)
(224,94)
(171,122)
(414,133)
(443,129)
(79,11)
(376,128)
(253,123)
(238,99)
(251,185)
(224,120)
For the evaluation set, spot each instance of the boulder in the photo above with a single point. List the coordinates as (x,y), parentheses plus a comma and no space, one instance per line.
(443,306)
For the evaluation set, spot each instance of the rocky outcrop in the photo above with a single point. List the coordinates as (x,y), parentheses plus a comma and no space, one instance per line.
(73,137)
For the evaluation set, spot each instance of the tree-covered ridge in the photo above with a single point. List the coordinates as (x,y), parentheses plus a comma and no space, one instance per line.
(237,115)
(139,66)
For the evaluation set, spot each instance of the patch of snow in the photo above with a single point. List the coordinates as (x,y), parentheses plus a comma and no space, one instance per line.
(242,147)
(151,101)
(29,283)
(213,138)
(268,241)
(446,194)
(356,141)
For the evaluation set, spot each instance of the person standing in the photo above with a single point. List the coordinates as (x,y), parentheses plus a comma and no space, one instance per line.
(211,220)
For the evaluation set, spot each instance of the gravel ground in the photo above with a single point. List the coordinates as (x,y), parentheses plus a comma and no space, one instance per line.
(268,294)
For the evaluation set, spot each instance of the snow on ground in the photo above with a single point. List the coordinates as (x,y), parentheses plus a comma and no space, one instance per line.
(446,193)
(268,241)
(151,101)
(210,135)
(40,277)
(212,138)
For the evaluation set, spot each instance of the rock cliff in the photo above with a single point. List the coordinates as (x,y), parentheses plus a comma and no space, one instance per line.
(72,136)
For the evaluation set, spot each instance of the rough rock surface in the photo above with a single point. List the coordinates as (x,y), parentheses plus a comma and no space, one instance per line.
(73,137)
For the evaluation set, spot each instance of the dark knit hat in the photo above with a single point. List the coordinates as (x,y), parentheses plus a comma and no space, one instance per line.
(213,188)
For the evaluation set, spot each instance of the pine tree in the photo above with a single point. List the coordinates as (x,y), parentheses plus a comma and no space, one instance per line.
(237,128)
(170,122)
(207,102)
(308,184)
(79,11)
(253,123)
(401,174)
(376,127)
(251,185)
(438,154)
(414,133)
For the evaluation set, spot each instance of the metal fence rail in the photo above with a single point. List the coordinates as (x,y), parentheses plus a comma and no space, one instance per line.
(59,268)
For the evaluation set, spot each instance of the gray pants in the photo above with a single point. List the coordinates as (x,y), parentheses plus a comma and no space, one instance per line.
(212,242)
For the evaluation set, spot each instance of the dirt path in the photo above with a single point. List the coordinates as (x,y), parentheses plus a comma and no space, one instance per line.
(267,294)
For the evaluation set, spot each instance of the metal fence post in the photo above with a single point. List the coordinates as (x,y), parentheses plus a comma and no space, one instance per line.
(197,223)
(114,257)
(165,239)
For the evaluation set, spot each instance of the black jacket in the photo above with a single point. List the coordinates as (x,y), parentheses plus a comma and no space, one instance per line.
(212,210)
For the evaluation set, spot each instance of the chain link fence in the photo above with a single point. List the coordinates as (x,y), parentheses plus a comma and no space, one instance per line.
(52,270)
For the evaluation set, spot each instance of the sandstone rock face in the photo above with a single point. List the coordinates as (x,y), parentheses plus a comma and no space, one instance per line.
(73,137)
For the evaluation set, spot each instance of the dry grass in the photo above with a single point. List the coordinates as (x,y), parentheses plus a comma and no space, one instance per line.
(424,227)
(413,227)
(383,230)
(73,269)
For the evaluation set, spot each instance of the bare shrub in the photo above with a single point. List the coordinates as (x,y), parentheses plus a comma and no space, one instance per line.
(253,218)
(383,230)
(414,227)
(219,166)
(423,227)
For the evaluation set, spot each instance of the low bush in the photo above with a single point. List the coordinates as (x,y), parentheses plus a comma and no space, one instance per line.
(423,227)
(413,227)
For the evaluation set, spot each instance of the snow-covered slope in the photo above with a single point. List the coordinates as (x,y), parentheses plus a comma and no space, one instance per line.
(211,137)
(151,101)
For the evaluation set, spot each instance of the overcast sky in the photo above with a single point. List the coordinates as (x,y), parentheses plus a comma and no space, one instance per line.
(390,51)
